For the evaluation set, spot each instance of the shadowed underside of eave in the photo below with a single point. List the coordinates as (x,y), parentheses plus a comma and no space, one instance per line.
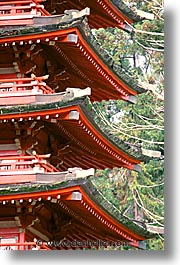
(104,13)
(97,69)
(88,136)
(90,199)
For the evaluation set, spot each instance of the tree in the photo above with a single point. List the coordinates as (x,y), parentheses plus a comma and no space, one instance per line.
(140,53)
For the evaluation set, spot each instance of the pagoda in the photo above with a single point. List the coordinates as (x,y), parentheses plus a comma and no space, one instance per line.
(52,137)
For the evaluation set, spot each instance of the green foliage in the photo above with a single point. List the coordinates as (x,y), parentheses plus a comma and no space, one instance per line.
(138,195)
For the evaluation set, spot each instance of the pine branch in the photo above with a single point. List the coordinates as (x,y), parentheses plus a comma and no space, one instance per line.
(123,133)
(148,48)
(150,186)
(146,211)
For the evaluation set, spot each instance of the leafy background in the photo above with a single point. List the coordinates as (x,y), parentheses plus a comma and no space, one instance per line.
(139,196)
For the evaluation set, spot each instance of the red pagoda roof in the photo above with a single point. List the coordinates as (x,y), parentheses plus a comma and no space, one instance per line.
(68,211)
(57,49)
(71,131)
(104,13)
(52,138)
(114,13)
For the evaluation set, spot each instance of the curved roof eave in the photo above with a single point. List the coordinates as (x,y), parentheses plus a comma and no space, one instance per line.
(103,13)
(126,10)
(90,194)
(90,119)
(120,81)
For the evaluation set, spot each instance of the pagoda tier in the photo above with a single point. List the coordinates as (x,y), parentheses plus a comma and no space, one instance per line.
(104,13)
(114,13)
(70,130)
(69,214)
(67,51)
